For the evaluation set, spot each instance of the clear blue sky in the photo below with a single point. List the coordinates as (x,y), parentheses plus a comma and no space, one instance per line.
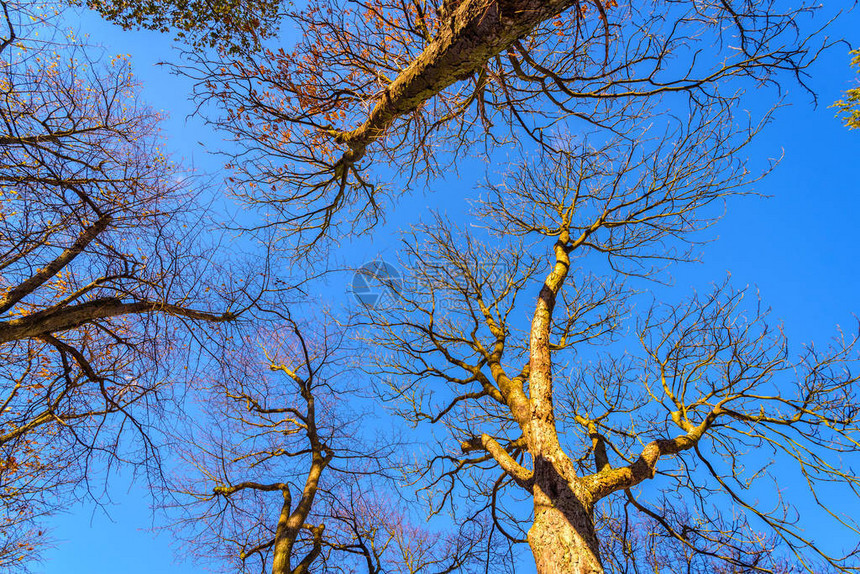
(800,248)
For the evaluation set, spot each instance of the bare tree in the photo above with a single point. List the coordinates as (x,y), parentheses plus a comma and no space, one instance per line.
(373,531)
(393,91)
(102,270)
(400,91)
(281,470)
(562,409)
(261,452)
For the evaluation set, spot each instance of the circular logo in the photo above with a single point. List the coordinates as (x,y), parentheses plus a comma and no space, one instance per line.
(375,280)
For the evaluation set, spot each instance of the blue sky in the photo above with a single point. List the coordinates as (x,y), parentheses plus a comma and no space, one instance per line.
(799,247)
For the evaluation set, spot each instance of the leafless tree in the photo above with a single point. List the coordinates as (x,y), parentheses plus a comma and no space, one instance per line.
(400,91)
(375,532)
(394,91)
(102,270)
(282,471)
(638,453)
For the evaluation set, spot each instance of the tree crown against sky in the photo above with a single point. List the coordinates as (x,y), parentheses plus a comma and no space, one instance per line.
(230,25)
(282,471)
(372,88)
(378,92)
(103,274)
(570,409)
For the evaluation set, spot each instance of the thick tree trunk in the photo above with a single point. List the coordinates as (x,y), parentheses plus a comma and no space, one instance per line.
(562,537)
(560,543)
(476,31)
(285,537)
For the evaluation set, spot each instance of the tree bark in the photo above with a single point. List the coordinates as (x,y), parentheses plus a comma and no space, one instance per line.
(562,537)
(285,537)
(476,31)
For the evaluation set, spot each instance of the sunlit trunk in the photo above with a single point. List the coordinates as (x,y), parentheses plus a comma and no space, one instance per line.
(284,539)
(562,537)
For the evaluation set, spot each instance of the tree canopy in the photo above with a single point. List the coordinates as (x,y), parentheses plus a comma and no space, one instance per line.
(101,273)
(230,25)
(522,374)
(410,88)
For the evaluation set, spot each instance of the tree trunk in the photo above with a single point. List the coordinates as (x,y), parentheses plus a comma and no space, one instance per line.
(476,31)
(562,537)
(284,539)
